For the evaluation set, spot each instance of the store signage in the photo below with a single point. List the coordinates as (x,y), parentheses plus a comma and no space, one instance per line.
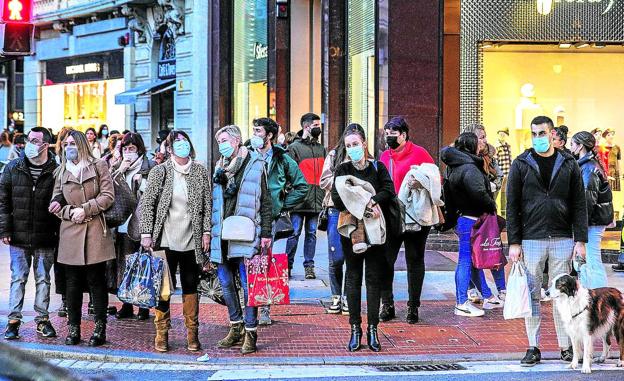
(167,69)
(261,51)
(167,56)
(92,67)
(545,6)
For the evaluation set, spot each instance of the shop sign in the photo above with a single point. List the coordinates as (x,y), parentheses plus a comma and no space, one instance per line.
(261,51)
(92,67)
(167,69)
(167,56)
(85,68)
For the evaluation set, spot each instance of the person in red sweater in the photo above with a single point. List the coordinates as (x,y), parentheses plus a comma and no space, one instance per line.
(398,158)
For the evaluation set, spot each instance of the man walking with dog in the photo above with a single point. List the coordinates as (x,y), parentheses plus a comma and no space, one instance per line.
(546,223)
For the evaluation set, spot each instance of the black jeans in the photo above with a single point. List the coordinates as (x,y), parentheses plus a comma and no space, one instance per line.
(415,243)
(375,262)
(189,273)
(95,278)
(59,276)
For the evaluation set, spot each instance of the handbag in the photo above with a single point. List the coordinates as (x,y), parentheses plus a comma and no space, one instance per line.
(486,242)
(238,228)
(283,226)
(166,289)
(323,220)
(210,286)
(125,203)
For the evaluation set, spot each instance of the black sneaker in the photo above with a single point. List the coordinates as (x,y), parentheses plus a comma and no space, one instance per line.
(309,273)
(567,354)
(532,357)
(45,329)
(387,312)
(618,268)
(12,331)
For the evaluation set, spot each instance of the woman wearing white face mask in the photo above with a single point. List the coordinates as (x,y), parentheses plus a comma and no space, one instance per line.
(133,168)
(175,216)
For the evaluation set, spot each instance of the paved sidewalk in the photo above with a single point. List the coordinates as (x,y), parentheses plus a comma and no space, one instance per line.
(303,333)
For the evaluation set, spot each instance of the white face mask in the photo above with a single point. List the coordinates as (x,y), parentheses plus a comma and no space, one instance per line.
(131,156)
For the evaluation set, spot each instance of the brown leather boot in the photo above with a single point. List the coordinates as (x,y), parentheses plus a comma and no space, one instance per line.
(235,336)
(162,321)
(249,345)
(190,309)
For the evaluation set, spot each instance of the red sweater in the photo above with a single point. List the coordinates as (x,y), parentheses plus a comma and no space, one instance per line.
(399,163)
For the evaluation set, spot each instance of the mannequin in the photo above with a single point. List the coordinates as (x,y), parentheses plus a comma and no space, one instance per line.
(526,110)
(504,158)
(613,157)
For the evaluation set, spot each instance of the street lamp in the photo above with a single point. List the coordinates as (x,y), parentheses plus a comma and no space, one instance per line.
(544,7)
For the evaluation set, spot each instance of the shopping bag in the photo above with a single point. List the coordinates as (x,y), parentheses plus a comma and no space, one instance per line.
(518,299)
(486,243)
(142,280)
(167,283)
(589,274)
(267,279)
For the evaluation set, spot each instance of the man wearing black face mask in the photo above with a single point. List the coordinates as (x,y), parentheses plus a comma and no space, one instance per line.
(309,155)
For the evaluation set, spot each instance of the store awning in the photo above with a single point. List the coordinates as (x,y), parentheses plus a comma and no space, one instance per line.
(130,96)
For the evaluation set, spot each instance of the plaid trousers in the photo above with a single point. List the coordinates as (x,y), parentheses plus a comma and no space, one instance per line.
(558,252)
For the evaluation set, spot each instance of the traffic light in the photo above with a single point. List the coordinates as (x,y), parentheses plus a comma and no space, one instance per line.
(16,30)
(282,9)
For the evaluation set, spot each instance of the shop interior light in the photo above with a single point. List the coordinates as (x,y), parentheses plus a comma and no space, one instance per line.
(544,7)
(580,45)
(565,45)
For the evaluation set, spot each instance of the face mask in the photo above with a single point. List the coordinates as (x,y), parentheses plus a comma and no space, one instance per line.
(392,142)
(281,139)
(104,132)
(541,145)
(71,153)
(355,153)
(226,149)
(31,150)
(131,156)
(315,132)
(182,148)
(256,142)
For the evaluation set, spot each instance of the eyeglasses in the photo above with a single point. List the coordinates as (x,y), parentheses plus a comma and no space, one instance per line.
(36,142)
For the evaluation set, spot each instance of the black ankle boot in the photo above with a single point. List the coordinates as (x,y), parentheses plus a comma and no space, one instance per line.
(412,314)
(143,314)
(99,334)
(125,312)
(372,338)
(73,335)
(356,338)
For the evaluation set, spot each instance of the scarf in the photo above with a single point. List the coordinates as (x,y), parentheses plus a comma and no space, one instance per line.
(232,165)
(184,169)
(76,169)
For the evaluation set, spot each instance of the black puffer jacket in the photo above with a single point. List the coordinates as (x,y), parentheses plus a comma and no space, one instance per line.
(539,211)
(469,186)
(597,191)
(24,212)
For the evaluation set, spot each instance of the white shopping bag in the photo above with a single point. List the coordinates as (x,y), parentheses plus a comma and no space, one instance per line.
(518,299)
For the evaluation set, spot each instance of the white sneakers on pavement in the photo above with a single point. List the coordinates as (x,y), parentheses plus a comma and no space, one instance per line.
(468,309)
(493,302)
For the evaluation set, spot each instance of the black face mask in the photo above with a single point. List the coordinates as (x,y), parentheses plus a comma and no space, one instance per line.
(392,142)
(315,132)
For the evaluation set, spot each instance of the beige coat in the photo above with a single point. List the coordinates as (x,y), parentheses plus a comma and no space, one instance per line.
(89,242)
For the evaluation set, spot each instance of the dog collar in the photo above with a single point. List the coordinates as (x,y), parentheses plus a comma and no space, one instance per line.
(580,312)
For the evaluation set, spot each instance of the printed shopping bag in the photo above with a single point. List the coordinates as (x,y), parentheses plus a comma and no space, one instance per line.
(142,280)
(486,243)
(518,299)
(166,290)
(267,279)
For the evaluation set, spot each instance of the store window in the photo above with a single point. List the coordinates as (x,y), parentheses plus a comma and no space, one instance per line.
(361,66)
(251,53)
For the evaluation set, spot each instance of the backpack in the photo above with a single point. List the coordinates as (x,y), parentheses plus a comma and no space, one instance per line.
(449,210)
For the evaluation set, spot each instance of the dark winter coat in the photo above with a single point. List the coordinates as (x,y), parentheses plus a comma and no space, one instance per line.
(310,156)
(598,193)
(540,211)
(24,206)
(469,186)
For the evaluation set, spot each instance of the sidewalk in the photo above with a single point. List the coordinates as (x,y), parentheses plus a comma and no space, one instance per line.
(302,332)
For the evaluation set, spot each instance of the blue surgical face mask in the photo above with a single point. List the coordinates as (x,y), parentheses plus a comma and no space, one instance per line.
(31,150)
(182,148)
(226,149)
(71,153)
(356,153)
(541,145)
(256,142)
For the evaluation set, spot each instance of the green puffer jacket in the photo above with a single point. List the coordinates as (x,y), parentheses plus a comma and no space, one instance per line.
(287,185)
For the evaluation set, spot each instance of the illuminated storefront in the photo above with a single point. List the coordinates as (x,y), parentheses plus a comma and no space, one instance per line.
(80,92)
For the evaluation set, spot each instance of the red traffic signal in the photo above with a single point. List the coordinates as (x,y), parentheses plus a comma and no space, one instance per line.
(16,11)
(17,39)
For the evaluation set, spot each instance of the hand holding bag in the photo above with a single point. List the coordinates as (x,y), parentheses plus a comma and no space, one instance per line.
(166,289)
(518,300)
(267,279)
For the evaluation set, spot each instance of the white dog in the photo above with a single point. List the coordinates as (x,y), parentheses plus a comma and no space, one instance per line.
(589,314)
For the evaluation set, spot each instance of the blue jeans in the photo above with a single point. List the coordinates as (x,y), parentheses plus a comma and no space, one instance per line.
(594,257)
(499,280)
(21,260)
(464,270)
(336,255)
(227,272)
(309,246)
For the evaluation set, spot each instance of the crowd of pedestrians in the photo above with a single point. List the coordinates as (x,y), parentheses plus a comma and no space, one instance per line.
(54,191)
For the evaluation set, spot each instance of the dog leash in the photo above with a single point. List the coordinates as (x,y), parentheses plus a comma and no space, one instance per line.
(580,312)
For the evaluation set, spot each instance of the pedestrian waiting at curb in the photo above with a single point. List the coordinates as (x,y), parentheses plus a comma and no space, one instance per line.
(30,230)
(334,159)
(546,222)
(175,217)
(471,193)
(240,196)
(362,189)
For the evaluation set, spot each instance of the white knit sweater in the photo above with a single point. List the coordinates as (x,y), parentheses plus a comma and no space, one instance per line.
(178,230)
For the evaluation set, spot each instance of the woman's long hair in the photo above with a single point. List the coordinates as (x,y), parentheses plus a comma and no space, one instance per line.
(588,140)
(84,152)
(340,149)
(467,142)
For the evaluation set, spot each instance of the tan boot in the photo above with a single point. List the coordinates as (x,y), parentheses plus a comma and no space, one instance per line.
(235,336)
(162,321)
(249,345)
(190,309)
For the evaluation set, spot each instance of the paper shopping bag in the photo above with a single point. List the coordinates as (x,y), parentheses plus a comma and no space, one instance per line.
(166,289)
(267,279)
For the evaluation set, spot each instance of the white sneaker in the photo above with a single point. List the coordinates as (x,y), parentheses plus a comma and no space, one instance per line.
(474,296)
(334,307)
(345,306)
(468,309)
(493,302)
(502,295)
(544,297)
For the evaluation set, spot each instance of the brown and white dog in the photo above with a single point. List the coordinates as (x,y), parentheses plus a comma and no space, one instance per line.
(589,314)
